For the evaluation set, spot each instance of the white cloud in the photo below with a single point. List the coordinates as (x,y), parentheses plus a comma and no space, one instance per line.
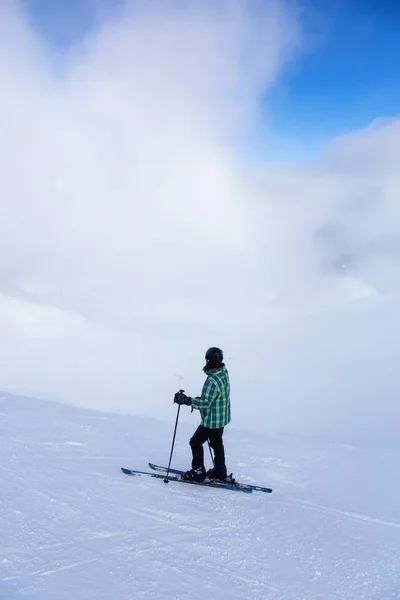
(132,238)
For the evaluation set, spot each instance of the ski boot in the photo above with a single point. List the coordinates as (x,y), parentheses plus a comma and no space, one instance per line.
(198,475)
(219,474)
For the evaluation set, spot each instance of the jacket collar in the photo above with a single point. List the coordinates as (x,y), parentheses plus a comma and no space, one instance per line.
(213,371)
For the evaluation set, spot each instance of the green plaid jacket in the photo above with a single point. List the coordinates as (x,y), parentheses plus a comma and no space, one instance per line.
(214,403)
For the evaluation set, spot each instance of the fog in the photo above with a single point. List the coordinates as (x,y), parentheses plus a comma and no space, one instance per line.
(134,233)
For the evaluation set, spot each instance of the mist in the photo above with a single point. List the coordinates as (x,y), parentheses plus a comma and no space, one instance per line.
(134,234)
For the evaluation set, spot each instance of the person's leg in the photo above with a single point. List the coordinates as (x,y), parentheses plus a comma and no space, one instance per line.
(216,443)
(196,443)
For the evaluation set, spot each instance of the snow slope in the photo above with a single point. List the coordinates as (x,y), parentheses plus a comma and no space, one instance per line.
(73,527)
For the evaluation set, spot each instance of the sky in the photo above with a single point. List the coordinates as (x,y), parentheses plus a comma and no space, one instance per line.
(345,77)
(183,174)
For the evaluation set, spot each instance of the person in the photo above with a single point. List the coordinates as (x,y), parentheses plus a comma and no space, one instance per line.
(215,410)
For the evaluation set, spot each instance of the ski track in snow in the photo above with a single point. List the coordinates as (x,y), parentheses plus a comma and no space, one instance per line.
(346,515)
(73,526)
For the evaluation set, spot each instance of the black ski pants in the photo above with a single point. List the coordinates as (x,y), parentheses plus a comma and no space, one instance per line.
(200,436)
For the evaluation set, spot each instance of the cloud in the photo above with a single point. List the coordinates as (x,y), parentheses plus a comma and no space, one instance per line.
(133,237)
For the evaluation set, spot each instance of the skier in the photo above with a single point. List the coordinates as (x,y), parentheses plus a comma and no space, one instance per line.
(215,410)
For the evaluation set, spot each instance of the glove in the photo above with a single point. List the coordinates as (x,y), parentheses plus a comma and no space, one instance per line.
(181,398)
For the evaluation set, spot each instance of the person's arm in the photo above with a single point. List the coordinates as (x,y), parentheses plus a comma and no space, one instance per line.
(208,395)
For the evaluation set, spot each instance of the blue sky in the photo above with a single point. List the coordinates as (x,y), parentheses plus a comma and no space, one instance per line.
(347,75)
(136,212)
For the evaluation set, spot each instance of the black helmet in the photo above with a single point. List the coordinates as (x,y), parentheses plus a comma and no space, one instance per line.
(214,356)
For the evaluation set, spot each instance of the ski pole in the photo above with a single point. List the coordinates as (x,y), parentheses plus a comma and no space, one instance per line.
(211,454)
(173,442)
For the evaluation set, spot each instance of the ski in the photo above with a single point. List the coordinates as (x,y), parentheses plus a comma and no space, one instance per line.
(256,488)
(213,484)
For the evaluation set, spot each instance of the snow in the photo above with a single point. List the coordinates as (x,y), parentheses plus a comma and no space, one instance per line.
(72,526)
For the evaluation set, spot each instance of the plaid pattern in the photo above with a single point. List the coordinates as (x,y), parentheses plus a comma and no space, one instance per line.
(214,404)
